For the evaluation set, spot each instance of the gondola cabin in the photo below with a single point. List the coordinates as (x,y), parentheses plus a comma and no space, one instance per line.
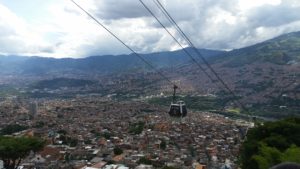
(178,109)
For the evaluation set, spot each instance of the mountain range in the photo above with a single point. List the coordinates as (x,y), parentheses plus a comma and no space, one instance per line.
(265,76)
(280,50)
(106,64)
(284,49)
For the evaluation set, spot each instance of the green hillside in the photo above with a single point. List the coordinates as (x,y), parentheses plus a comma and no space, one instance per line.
(271,143)
(284,49)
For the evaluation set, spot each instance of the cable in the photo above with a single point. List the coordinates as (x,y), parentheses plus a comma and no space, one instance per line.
(159,6)
(193,46)
(184,49)
(172,21)
(115,36)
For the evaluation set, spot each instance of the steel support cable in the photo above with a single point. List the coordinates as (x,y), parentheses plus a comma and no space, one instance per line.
(194,60)
(170,18)
(116,37)
(184,49)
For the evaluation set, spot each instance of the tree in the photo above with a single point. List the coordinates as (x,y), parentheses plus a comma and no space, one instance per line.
(136,128)
(291,154)
(13,150)
(118,151)
(163,144)
(268,156)
(144,160)
(270,144)
(12,128)
(106,135)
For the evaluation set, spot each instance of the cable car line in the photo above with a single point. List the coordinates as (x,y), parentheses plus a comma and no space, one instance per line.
(162,9)
(116,37)
(176,109)
(184,49)
(168,16)
(172,21)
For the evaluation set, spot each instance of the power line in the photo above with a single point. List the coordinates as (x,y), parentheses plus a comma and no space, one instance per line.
(172,21)
(115,36)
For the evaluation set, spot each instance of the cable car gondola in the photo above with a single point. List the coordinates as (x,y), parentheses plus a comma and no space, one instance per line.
(177,109)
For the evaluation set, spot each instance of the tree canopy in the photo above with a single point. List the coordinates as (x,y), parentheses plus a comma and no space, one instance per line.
(118,151)
(14,149)
(271,143)
(12,128)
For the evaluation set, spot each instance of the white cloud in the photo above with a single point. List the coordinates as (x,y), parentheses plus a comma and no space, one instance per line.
(68,32)
(17,37)
(245,5)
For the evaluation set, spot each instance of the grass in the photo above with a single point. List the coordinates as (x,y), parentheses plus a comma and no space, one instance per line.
(6,91)
(234,110)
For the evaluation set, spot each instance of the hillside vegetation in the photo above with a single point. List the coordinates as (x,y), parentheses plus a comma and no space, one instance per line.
(284,49)
(271,143)
(264,77)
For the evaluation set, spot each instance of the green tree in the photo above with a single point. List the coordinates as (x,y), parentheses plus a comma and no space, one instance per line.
(73,142)
(268,156)
(12,128)
(271,143)
(136,128)
(13,150)
(118,151)
(192,151)
(163,144)
(106,135)
(39,124)
(144,160)
(291,154)
(63,132)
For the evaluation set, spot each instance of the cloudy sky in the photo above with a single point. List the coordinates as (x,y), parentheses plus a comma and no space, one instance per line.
(57,28)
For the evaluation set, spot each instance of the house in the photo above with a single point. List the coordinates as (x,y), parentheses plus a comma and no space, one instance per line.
(115,166)
(98,165)
(1,164)
(38,159)
(143,166)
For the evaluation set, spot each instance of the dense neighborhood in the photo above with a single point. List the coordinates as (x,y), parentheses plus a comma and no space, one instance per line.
(99,133)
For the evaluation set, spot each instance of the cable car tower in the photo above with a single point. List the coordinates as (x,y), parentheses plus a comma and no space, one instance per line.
(177,108)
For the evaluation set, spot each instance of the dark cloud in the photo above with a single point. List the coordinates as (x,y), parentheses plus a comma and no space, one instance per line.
(116,9)
(220,24)
(47,49)
(271,16)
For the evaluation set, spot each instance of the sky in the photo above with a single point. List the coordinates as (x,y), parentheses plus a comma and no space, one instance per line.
(57,28)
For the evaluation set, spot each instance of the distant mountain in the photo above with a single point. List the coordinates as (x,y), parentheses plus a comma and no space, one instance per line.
(57,83)
(95,64)
(284,49)
(266,76)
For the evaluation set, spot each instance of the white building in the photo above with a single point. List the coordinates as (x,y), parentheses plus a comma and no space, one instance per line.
(114,166)
(1,164)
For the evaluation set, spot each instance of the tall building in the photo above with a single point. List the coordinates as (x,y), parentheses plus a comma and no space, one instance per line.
(33,109)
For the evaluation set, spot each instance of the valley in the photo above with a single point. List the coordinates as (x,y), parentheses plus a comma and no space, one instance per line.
(266,88)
